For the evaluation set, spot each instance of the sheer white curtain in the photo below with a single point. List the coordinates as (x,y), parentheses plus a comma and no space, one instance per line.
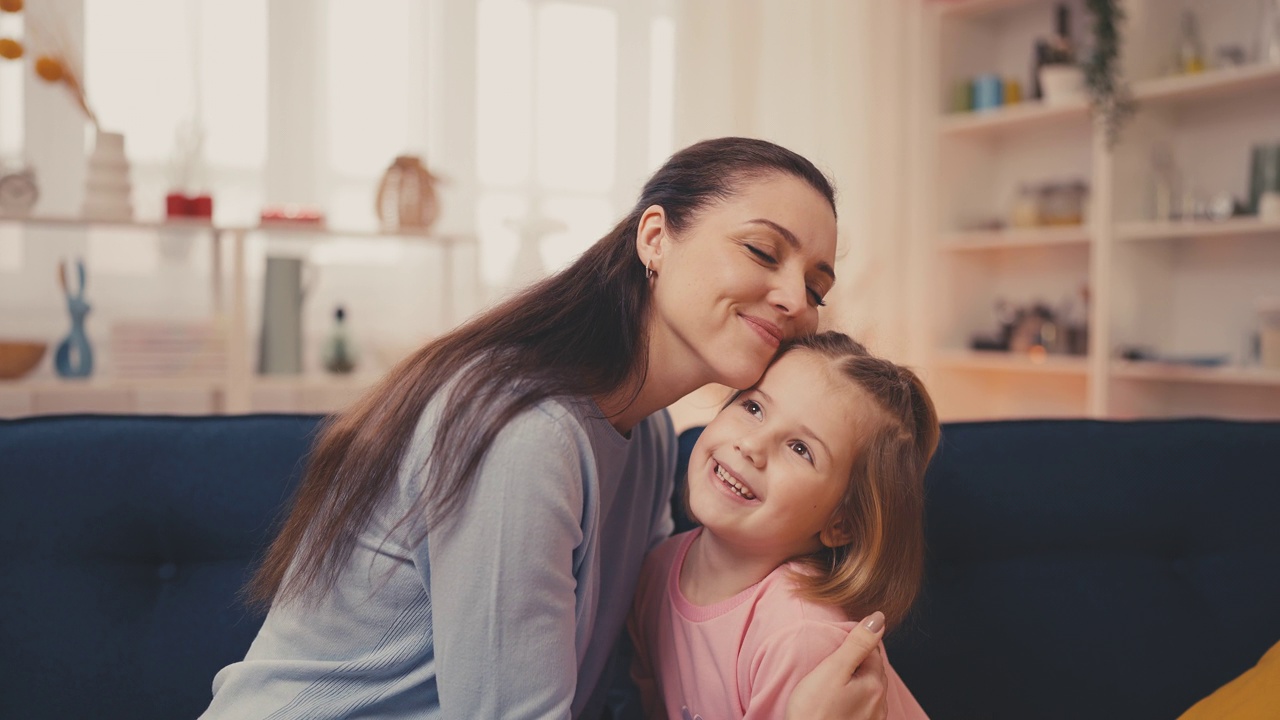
(833,80)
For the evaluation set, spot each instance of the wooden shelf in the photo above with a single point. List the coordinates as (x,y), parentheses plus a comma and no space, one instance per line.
(1235,227)
(981,360)
(1025,114)
(1178,89)
(1168,372)
(978,8)
(77,223)
(985,240)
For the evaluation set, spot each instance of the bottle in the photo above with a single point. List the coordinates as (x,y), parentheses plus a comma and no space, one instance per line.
(339,351)
(1190,51)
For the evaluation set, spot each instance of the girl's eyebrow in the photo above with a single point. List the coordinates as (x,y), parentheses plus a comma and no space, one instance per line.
(793,241)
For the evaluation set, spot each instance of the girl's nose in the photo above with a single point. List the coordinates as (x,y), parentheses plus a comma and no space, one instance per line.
(751,448)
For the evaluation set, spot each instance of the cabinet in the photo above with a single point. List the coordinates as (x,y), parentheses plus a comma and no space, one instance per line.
(200,279)
(1182,294)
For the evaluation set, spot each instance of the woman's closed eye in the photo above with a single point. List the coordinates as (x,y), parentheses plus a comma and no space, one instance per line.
(762,255)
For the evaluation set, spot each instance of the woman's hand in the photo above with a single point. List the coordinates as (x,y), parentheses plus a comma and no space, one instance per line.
(850,683)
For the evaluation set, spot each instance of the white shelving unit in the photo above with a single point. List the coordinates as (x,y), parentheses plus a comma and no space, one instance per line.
(1183,289)
(226,278)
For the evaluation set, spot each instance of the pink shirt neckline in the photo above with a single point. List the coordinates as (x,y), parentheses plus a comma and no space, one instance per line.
(688,610)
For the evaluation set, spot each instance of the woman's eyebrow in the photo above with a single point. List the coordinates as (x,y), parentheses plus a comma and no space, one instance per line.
(793,241)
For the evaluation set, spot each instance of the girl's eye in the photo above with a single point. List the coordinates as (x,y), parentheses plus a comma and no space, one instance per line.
(762,255)
(752,407)
(817,298)
(802,450)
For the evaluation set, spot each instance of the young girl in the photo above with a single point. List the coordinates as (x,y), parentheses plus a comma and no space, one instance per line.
(809,489)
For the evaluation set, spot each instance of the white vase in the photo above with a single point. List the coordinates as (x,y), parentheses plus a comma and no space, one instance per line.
(108,192)
(1062,84)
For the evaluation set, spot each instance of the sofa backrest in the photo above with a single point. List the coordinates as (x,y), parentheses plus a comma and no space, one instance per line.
(124,543)
(1089,569)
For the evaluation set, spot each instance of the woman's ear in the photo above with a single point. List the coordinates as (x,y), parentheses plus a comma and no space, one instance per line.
(837,533)
(651,237)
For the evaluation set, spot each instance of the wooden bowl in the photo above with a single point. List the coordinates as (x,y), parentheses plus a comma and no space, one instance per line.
(19,357)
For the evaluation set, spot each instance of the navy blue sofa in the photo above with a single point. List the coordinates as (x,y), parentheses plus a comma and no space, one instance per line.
(1077,569)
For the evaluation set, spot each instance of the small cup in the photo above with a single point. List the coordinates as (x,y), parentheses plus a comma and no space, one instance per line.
(988,92)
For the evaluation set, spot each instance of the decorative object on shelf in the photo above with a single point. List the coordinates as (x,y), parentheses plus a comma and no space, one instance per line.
(1269,332)
(19,357)
(292,215)
(406,197)
(1109,94)
(1059,79)
(1268,48)
(339,352)
(55,62)
(988,92)
(18,190)
(74,357)
(1038,329)
(108,191)
(1189,58)
(164,348)
(1264,174)
(186,197)
(1049,204)
(284,290)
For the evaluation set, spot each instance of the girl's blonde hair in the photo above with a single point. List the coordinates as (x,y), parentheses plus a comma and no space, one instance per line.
(882,510)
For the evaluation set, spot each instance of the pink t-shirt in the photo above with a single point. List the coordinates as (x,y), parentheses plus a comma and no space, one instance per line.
(739,658)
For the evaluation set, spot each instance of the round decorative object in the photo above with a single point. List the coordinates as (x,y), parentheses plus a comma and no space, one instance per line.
(19,357)
(407,196)
(18,192)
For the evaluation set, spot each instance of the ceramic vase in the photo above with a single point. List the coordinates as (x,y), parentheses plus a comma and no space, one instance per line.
(407,196)
(108,193)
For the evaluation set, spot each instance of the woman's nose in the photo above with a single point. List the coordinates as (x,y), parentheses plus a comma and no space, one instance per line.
(789,294)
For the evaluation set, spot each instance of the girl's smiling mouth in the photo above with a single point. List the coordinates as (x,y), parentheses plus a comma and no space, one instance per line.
(734,484)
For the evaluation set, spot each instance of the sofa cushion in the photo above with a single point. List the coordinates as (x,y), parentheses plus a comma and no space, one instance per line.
(123,545)
(1094,569)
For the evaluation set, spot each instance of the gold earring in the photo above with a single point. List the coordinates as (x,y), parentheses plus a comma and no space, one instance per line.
(648,271)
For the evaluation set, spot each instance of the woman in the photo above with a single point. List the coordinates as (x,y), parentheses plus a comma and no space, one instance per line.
(467,537)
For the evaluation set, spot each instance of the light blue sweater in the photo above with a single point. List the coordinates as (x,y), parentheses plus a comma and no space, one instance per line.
(509,610)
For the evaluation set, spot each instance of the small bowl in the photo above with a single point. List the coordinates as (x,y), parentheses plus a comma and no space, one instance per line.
(19,357)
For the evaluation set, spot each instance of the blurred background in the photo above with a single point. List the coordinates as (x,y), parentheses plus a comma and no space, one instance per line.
(1053,209)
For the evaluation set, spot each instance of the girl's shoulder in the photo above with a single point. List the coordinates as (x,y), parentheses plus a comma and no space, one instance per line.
(780,600)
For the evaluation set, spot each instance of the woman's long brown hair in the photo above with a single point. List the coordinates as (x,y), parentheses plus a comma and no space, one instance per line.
(580,332)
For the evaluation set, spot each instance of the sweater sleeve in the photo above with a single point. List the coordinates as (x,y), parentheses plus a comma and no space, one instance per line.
(782,660)
(501,577)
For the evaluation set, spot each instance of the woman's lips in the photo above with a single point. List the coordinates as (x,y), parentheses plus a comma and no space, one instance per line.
(767,331)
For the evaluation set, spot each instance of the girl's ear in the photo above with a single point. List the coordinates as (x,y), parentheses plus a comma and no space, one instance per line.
(837,533)
(651,237)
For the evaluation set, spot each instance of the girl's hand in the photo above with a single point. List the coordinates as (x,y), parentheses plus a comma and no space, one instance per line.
(850,683)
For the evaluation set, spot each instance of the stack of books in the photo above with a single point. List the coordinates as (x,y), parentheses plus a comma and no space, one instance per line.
(172,349)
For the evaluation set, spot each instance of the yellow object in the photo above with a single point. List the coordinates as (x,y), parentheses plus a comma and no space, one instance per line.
(10,49)
(1255,695)
(49,68)
(1012,92)
(11,5)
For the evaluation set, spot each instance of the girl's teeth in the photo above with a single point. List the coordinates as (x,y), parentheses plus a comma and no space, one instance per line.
(734,485)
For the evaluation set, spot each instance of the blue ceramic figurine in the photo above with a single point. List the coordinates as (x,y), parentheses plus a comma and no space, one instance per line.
(74,358)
